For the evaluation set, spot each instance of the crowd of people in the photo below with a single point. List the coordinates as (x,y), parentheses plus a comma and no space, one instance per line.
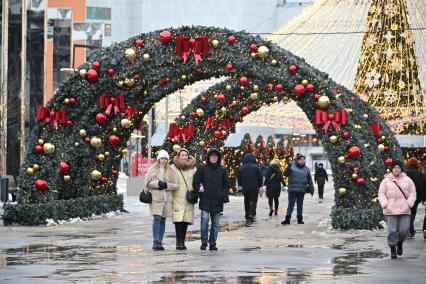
(400,193)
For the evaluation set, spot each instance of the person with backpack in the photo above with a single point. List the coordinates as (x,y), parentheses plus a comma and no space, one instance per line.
(320,177)
(273,181)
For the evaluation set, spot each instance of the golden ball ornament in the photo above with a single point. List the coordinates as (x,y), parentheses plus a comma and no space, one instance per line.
(130,54)
(120,84)
(146,57)
(254,96)
(76,144)
(125,152)
(224,110)
(82,133)
(342,191)
(30,171)
(129,82)
(285,99)
(106,153)
(323,102)
(199,112)
(262,52)
(176,148)
(96,142)
(341,160)
(201,143)
(256,88)
(334,139)
(354,176)
(115,129)
(383,137)
(101,157)
(365,115)
(305,82)
(67,101)
(126,123)
(215,43)
(67,178)
(49,148)
(274,62)
(95,175)
(381,147)
(253,55)
(228,87)
(36,167)
(40,141)
(275,99)
(184,77)
(82,73)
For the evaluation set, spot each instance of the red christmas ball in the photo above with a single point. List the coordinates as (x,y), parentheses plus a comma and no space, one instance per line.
(136,77)
(253,47)
(111,72)
(92,75)
(386,148)
(217,134)
(388,162)
(41,184)
(205,149)
(203,99)
(199,71)
(38,148)
(279,87)
(114,171)
(231,39)
(354,152)
(103,179)
(229,67)
(317,96)
(292,69)
(101,118)
(245,109)
(96,65)
(139,43)
(72,100)
(243,81)
(114,139)
(310,87)
(69,123)
(220,98)
(64,167)
(360,181)
(165,36)
(193,114)
(346,134)
(87,139)
(355,170)
(52,113)
(299,89)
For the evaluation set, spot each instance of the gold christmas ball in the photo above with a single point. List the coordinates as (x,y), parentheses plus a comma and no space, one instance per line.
(107,153)
(130,54)
(126,123)
(323,102)
(125,152)
(67,101)
(334,139)
(242,88)
(256,88)
(228,87)
(262,52)
(82,132)
(274,62)
(120,84)
(275,99)
(224,110)
(40,141)
(354,176)
(49,148)
(76,144)
(365,115)
(342,191)
(146,57)
(96,175)
(305,82)
(383,137)
(253,96)
(201,143)
(176,147)
(184,77)
(30,171)
(101,157)
(381,147)
(253,55)
(115,129)
(67,178)
(341,160)
(199,112)
(36,167)
(96,142)
(129,82)
(82,73)
(215,43)
(285,99)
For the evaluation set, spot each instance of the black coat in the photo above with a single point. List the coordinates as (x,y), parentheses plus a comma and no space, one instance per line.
(215,181)
(419,181)
(320,176)
(273,181)
(249,175)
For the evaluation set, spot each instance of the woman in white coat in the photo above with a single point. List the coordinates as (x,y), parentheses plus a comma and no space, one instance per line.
(183,211)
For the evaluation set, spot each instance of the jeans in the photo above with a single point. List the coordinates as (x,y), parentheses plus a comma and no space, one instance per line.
(413,217)
(158,228)
(292,198)
(398,226)
(214,229)
(250,204)
(320,190)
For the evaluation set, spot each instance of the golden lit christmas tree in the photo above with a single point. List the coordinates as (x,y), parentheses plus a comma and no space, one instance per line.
(387,72)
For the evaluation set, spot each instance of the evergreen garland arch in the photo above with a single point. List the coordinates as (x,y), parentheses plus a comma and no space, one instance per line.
(75,150)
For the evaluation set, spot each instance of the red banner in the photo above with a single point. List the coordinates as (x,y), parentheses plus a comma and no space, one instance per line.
(186,45)
(46,115)
(109,102)
(336,118)
(142,164)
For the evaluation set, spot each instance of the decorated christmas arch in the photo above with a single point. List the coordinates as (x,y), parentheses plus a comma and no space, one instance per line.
(72,163)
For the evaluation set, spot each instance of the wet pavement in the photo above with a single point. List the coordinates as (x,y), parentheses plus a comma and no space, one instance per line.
(118,250)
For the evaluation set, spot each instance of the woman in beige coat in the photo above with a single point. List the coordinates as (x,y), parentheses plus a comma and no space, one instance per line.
(162,180)
(183,211)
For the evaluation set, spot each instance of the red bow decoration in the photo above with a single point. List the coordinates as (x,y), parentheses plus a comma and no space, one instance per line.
(210,121)
(45,115)
(108,102)
(176,131)
(375,127)
(186,45)
(130,111)
(225,124)
(333,118)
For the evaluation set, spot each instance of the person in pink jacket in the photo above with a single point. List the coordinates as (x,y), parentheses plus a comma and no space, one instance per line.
(397,195)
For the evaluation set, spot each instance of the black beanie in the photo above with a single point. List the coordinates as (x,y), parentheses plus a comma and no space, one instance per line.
(397,163)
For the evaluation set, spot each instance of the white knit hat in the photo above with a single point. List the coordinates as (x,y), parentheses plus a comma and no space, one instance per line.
(162,154)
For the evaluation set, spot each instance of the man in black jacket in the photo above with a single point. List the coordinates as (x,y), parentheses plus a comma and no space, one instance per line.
(250,179)
(418,179)
(320,177)
(211,182)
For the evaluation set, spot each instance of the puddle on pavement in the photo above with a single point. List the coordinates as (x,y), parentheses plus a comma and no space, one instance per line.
(250,248)
(348,264)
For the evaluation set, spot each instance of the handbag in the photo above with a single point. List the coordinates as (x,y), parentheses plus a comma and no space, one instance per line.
(191,196)
(145,196)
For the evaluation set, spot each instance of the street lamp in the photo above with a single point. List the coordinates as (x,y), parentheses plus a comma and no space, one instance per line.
(137,137)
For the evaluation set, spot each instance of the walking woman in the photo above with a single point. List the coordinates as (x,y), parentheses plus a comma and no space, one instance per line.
(397,195)
(273,181)
(183,211)
(161,179)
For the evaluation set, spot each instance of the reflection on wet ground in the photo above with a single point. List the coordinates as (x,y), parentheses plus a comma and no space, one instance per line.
(348,264)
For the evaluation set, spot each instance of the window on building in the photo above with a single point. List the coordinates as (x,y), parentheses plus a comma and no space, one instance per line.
(98,13)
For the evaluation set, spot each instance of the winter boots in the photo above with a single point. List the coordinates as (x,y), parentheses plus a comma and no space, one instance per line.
(286,221)
(157,246)
(300,220)
(393,252)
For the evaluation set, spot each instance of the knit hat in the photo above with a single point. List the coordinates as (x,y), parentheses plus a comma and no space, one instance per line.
(397,163)
(413,161)
(300,156)
(162,154)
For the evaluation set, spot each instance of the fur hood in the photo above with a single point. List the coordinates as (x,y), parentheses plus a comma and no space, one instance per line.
(190,164)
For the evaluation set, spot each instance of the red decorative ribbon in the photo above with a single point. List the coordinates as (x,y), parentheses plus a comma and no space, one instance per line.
(375,127)
(45,115)
(186,45)
(130,111)
(108,102)
(225,124)
(210,121)
(333,118)
(176,131)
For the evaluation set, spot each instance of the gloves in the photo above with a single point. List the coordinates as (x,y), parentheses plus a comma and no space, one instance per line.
(162,185)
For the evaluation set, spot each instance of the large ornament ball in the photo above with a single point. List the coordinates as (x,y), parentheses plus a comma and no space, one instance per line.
(64,167)
(96,65)
(310,87)
(243,81)
(41,184)
(346,134)
(111,72)
(126,123)
(201,143)
(342,191)
(101,157)
(96,142)
(139,43)
(129,82)
(176,147)
(115,129)
(334,139)
(279,88)
(120,84)
(199,112)
(262,52)
(49,148)
(228,87)
(217,134)
(114,139)
(253,55)
(381,147)
(254,96)
(231,39)
(72,101)
(146,57)
(388,162)
(82,73)
(305,82)
(229,67)
(354,176)
(165,36)
(253,47)
(323,102)
(67,101)
(76,144)
(67,178)
(107,153)
(292,69)
(299,89)
(82,132)
(341,159)
(30,171)
(365,115)
(92,75)
(215,43)
(130,54)
(125,152)
(354,152)
(223,109)
(36,167)
(220,98)
(360,181)
(256,88)
(95,175)
(40,141)
(274,62)
(245,109)
(101,118)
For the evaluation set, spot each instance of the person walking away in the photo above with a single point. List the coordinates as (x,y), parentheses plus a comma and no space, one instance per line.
(263,168)
(211,182)
(161,179)
(299,183)
(320,177)
(417,177)
(183,211)
(273,181)
(397,195)
(250,178)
